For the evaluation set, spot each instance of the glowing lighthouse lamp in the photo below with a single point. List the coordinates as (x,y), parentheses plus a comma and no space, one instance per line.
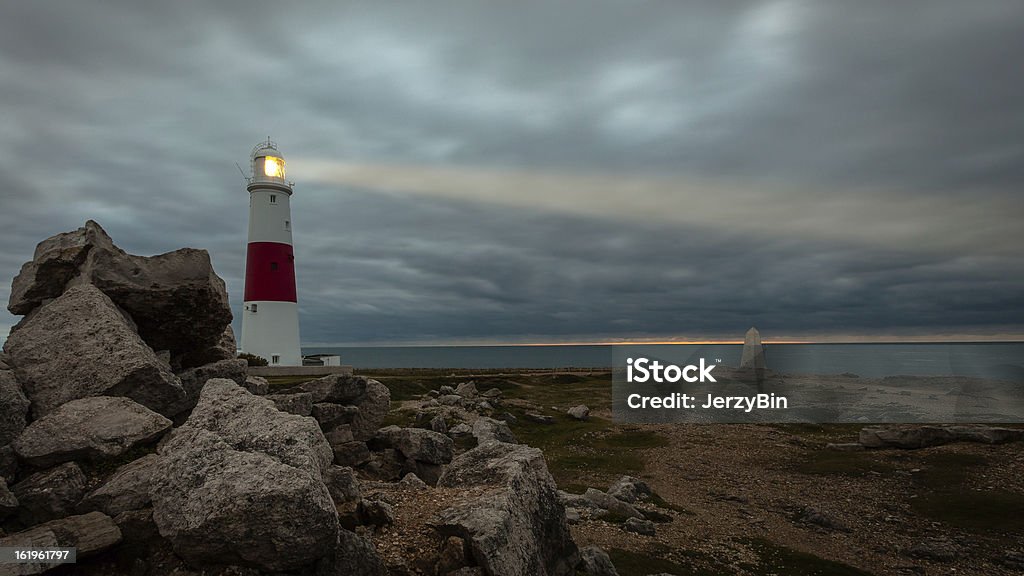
(270,320)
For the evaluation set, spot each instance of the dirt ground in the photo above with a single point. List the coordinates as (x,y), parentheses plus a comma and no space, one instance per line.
(771,499)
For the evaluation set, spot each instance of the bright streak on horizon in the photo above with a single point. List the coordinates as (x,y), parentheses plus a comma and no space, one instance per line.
(767,210)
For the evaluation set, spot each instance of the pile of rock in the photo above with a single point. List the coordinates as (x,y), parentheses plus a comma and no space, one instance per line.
(114,349)
(911,437)
(626,501)
(128,427)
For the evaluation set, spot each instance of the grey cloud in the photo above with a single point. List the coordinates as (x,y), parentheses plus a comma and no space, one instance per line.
(135,114)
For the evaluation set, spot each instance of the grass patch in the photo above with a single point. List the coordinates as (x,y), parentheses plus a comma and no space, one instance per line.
(403,417)
(829,463)
(947,497)
(574,448)
(991,512)
(777,559)
(282,382)
(632,439)
(636,564)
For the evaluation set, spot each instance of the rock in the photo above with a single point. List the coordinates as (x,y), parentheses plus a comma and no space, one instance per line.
(373,409)
(225,349)
(49,494)
(580,412)
(516,527)
(93,428)
(13,408)
(412,482)
(353,555)
(595,562)
(488,430)
(219,505)
(8,463)
(257,385)
(449,400)
(507,417)
(437,424)
(176,299)
(79,346)
(336,388)
(492,393)
(139,533)
(460,430)
(446,391)
(375,513)
(572,516)
(253,424)
(8,501)
(300,404)
(88,533)
(127,489)
(466,389)
(484,406)
(935,549)
(452,556)
(342,484)
(810,515)
(638,526)
(611,504)
(467,571)
(193,379)
(56,261)
(242,483)
(416,443)
(844,446)
(629,489)
(3,362)
(429,473)
(753,351)
(539,418)
(912,437)
(339,435)
(330,415)
(351,453)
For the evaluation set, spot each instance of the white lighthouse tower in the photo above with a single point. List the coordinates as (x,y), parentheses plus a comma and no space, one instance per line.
(270,320)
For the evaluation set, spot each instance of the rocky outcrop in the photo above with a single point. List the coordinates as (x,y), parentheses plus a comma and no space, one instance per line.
(370,398)
(13,408)
(88,533)
(629,489)
(81,345)
(488,430)
(49,494)
(193,379)
(127,489)
(517,526)
(94,428)
(300,404)
(422,452)
(580,412)
(176,299)
(912,436)
(595,562)
(281,517)
(8,501)
(373,408)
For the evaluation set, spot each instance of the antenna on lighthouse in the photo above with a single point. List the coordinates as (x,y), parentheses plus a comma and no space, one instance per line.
(242,172)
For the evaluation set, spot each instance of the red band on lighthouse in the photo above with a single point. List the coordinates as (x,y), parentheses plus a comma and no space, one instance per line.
(270,273)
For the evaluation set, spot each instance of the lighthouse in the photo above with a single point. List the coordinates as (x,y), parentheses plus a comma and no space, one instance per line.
(270,319)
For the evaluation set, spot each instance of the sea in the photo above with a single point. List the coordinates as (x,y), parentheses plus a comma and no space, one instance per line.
(1002,360)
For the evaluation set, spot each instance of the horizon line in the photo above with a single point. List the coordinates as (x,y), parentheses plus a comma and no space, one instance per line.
(657,343)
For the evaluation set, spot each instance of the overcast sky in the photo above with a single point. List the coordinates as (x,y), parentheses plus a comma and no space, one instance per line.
(545,171)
